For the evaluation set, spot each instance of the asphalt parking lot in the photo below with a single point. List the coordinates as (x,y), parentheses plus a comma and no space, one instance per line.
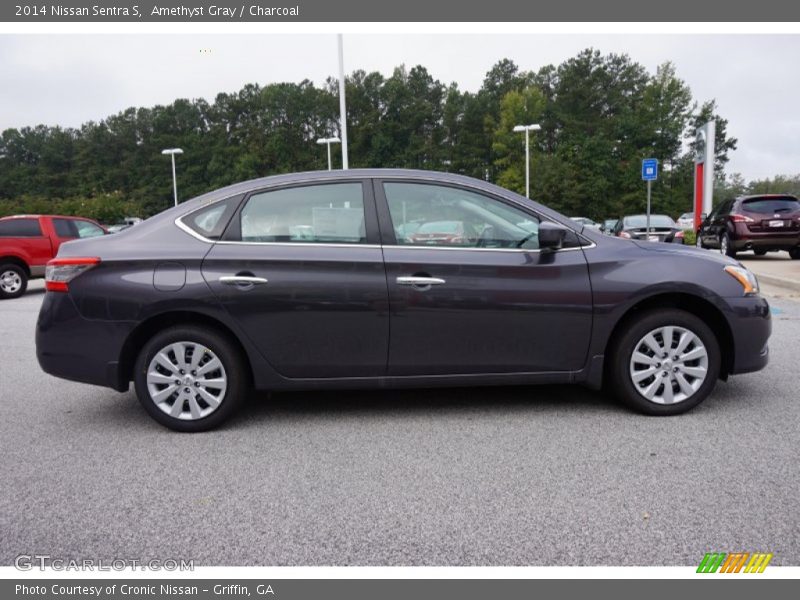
(502,476)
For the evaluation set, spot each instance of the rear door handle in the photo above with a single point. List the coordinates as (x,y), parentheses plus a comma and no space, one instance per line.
(420,281)
(242,280)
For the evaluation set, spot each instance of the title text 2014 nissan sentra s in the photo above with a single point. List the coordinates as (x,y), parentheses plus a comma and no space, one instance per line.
(389,278)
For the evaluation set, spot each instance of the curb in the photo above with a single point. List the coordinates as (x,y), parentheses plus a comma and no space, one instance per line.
(782,282)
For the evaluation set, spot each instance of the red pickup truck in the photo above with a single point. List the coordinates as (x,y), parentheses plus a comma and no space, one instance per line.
(27,242)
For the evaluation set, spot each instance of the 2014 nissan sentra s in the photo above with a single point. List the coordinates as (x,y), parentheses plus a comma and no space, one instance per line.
(389,278)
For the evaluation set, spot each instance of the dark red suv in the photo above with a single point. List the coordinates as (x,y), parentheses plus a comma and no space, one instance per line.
(759,223)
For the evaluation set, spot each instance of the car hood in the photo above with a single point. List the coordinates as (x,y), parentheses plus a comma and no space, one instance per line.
(698,253)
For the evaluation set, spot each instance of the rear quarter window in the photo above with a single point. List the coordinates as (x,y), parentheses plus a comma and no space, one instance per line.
(210,221)
(20,228)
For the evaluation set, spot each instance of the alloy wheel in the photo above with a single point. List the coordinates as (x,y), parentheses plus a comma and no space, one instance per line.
(186,380)
(723,245)
(668,365)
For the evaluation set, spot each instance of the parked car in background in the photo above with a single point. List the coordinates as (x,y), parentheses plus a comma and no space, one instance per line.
(220,293)
(451,233)
(686,221)
(127,222)
(28,242)
(587,222)
(662,229)
(762,223)
(608,226)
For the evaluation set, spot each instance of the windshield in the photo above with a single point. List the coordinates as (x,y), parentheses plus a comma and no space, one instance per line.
(771,205)
(655,221)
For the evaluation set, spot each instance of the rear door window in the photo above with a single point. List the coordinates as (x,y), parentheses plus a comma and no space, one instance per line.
(65,228)
(315,214)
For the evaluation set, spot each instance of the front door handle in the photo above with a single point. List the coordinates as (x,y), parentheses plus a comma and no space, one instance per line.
(242,280)
(420,281)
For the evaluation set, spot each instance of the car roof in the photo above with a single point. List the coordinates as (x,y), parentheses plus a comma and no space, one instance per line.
(47,216)
(418,175)
(645,216)
(310,176)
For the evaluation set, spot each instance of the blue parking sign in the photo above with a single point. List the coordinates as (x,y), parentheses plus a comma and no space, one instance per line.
(649,169)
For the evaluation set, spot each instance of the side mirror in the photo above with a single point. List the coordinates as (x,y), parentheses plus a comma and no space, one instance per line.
(551,235)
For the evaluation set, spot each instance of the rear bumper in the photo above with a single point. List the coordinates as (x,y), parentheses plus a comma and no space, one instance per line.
(768,240)
(78,349)
(751,326)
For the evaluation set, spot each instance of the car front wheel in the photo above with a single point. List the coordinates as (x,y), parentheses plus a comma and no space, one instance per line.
(13,281)
(666,362)
(190,378)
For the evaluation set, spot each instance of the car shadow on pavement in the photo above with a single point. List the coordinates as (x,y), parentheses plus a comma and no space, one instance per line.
(413,403)
(262,409)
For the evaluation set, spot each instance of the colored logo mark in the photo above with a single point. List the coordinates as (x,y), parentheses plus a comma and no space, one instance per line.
(734,562)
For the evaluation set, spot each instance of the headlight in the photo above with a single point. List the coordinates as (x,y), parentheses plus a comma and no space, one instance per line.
(745,277)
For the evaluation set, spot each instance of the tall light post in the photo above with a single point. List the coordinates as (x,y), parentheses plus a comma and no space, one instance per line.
(328,142)
(527,129)
(342,104)
(172,152)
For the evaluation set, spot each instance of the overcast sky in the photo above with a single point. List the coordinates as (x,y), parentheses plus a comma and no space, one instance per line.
(69,79)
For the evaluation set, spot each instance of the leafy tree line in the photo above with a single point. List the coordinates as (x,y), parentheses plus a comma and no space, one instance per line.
(735,185)
(600,115)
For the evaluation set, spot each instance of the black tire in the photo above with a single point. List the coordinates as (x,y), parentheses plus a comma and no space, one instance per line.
(13,281)
(795,253)
(726,246)
(622,351)
(759,252)
(233,369)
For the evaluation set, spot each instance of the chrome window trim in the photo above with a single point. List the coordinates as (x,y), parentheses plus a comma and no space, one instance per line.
(196,235)
(389,246)
(181,225)
(526,250)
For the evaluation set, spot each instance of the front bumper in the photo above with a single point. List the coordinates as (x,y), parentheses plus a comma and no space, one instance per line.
(751,325)
(72,347)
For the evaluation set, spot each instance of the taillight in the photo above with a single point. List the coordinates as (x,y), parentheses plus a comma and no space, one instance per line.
(60,271)
(679,234)
(736,218)
(624,234)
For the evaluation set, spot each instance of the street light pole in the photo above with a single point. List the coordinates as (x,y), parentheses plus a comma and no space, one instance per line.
(172,152)
(328,142)
(342,104)
(527,129)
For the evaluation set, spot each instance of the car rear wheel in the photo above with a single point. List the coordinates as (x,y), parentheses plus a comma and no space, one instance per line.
(795,253)
(759,252)
(190,378)
(13,281)
(665,363)
(725,246)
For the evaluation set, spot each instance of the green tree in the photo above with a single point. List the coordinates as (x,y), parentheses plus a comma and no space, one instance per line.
(516,108)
